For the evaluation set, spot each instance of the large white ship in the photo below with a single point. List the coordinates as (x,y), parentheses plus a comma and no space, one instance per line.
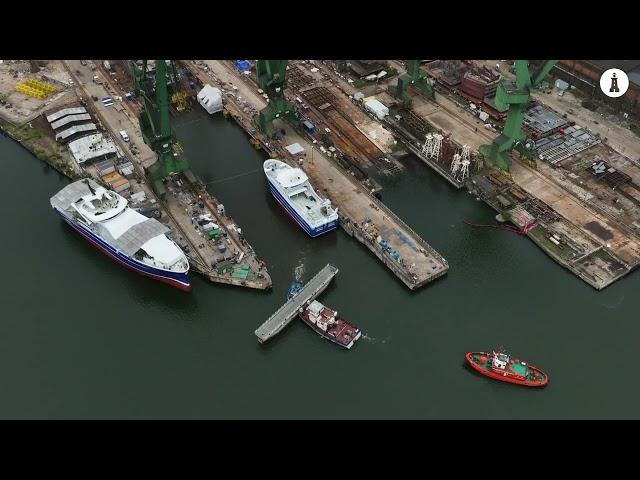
(292,190)
(139,243)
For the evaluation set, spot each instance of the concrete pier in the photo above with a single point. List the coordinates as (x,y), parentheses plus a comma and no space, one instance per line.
(364,217)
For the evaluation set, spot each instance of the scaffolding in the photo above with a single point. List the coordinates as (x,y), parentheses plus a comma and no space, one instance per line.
(432,145)
(455,165)
(180,101)
(36,88)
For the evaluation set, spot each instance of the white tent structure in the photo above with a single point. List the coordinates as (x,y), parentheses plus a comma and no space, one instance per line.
(210,98)
(377,108)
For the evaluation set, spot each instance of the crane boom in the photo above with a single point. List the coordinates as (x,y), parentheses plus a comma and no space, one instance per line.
(515,96)
(155,124)
(272,78)
(416,78)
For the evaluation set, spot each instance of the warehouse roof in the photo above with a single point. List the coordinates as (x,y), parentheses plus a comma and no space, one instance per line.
(87,127)
(363,69)
(66,111)
(70,119)
(90,147)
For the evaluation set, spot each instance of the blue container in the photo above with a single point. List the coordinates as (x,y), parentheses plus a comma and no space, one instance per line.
(242,65)
(308,126)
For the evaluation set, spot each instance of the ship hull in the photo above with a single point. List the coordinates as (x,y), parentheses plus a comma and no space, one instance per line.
(324,334)
(177,280)
(295,216)
(497,376)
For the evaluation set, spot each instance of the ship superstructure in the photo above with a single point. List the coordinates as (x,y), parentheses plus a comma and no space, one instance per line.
(139,243)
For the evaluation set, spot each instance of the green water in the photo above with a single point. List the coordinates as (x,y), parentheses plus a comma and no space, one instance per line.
(80,337)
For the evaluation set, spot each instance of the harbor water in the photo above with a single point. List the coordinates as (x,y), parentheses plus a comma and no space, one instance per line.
(80,337)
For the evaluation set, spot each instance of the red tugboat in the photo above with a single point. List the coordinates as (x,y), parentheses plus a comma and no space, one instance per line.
(501,366)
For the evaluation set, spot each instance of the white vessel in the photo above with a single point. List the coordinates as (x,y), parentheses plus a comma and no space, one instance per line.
(292,190)
(139,243)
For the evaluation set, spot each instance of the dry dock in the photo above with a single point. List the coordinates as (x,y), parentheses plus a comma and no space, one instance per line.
(363,216)
(587,225)
(287,312)
(226,257)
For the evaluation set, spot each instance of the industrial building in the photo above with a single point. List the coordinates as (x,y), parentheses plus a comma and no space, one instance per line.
(92,147)
(585,76)
(364,68)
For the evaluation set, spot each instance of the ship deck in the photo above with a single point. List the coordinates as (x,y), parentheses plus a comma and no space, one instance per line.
(343,328)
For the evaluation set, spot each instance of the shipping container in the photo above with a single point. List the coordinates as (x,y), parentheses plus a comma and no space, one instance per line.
(111,176)
(308,126)
(105,168)
(122,185)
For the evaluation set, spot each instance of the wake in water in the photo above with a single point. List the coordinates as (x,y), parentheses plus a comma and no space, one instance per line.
(298,272)
(613,306)
(375,340)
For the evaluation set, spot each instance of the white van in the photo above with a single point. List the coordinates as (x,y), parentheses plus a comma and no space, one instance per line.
(124,135)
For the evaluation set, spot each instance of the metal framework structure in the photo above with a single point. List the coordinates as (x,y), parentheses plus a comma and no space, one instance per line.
(417,78)
(432,146)
(465,162)
(155,124)
(515,96)
(271,76)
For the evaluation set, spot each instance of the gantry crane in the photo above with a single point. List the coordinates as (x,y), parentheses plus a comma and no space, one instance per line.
(515,97)
(155,124)
(272,78)
(417,78)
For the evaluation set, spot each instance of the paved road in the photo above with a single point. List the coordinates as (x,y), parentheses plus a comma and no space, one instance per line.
(117,119)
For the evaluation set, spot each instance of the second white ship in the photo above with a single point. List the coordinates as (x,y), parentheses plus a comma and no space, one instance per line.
(293,192)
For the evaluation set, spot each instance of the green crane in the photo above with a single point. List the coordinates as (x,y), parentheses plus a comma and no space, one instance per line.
(155,124)
(417,78)
(515,96)
(272,78)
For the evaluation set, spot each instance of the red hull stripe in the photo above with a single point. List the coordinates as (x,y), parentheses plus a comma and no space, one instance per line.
(169,281)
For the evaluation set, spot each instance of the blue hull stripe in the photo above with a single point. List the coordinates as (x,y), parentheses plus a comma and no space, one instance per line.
(145,269)
(312,232)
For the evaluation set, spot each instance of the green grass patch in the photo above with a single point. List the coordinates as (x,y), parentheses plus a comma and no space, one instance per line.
(547,244)
(358,83)
(577,93)
(24,133)
(395,147)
